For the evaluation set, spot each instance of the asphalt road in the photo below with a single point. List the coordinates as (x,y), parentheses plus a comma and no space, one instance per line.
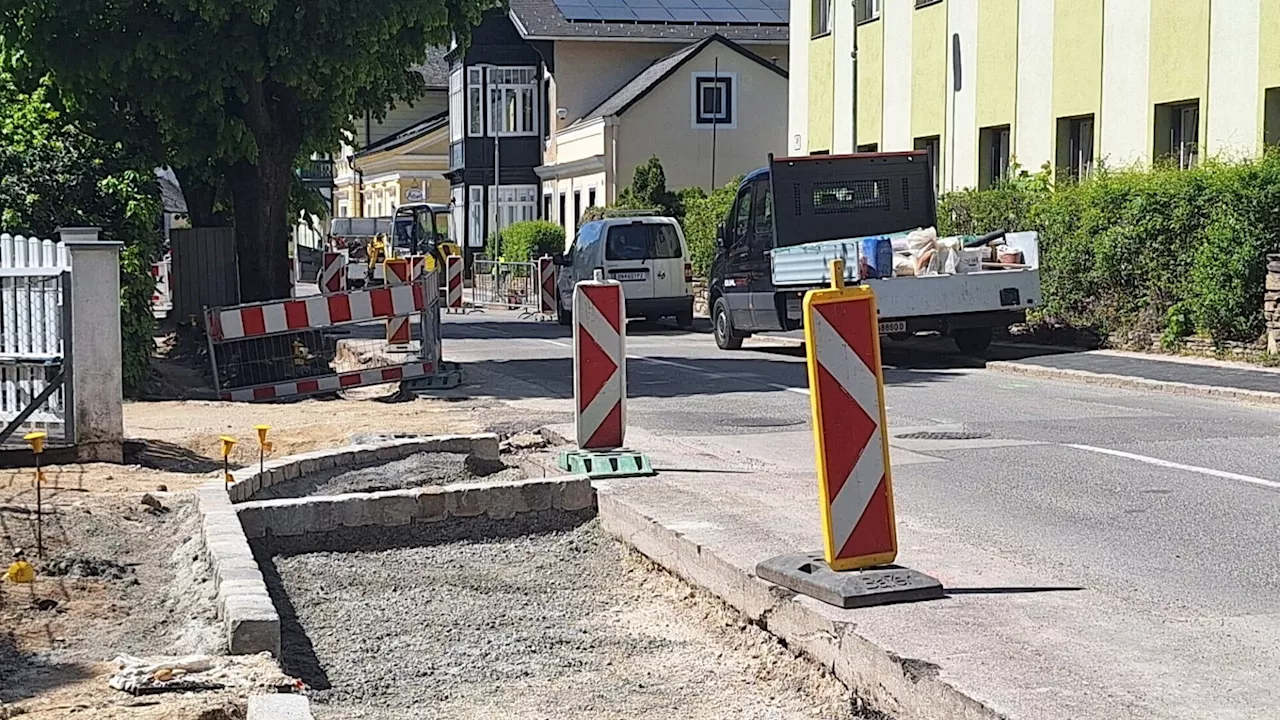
(1167,508)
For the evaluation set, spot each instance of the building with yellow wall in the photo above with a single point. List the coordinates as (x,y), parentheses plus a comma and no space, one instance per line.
(983,84)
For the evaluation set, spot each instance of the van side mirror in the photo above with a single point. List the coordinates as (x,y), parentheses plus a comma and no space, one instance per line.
(562,260)
(720,239)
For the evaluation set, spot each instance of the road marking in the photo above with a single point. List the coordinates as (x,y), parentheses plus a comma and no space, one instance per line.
(1179,466)
(557,343)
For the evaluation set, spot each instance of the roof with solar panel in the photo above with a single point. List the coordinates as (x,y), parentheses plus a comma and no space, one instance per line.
(740,20)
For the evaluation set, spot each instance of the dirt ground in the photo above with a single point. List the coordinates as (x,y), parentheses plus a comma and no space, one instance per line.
(119,578)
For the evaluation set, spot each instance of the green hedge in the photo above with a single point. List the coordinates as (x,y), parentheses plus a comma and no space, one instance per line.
(529,240)
(703,214)
(1135,252)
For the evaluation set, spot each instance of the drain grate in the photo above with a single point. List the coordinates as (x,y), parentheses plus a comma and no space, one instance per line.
(943,436)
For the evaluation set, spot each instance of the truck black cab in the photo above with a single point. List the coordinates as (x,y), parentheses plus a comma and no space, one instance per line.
(798,201)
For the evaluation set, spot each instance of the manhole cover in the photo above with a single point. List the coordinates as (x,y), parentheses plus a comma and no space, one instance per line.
(943,436)
(761,422)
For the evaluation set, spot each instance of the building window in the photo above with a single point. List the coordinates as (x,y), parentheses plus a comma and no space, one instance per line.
(714,101)
(820,18)
(475,102)
(1271,116)
(994,167)
(514,203)
(1075,147)
(577,206)
(475,217)
(1177,134)
(926,3)
(591,196)
(564,219)
(869,148)
(546,206)
(931,145)
(457,214)
(866,10)
(344,208)
(512,106)
(456,106)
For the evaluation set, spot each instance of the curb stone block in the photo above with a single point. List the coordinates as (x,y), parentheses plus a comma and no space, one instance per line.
(393,510)
(506,502)
(485,446)
(431,506)
(467,503)
(577,495)
(536,497)
(279,707)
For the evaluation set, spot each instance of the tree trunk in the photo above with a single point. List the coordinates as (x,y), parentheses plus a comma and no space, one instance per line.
(260,193)
(200,190)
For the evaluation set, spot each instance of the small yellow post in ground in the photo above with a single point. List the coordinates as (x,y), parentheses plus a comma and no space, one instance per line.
(227,444)
(264,447)
(36,440)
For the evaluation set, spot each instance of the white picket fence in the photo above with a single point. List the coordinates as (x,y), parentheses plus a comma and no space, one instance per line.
(31,332)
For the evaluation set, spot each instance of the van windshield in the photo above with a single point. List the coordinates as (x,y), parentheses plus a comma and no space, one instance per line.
(643,241)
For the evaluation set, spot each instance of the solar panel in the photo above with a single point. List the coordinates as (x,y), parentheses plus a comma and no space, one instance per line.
(722,12)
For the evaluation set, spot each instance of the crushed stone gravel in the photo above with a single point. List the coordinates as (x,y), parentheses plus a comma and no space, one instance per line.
(558,622)
(421,470)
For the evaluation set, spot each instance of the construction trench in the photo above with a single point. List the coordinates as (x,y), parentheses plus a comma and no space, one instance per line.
(440,577)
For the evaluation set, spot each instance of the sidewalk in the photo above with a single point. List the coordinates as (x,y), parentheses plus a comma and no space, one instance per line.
(1011,641)
(1201,377)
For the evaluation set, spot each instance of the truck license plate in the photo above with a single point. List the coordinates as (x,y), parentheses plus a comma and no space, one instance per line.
(630,276)
(895,326)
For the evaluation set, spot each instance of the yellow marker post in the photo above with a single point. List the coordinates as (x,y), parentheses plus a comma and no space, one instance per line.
(20,571)
(36,440)
(227,444)
(264,447)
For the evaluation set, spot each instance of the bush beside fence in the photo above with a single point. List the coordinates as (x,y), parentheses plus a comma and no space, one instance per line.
(1139,252)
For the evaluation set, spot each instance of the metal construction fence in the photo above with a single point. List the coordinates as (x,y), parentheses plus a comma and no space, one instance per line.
(322,343)
(511,285)
(34,317)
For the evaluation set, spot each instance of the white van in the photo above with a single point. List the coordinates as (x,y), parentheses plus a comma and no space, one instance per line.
(645,252)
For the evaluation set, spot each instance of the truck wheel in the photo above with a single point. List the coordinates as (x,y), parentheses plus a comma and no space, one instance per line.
(684,319)
(722,326)
(973,341)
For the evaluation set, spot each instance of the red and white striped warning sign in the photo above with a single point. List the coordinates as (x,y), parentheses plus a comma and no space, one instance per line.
(847,396)
(329,383)
(599,364)
(333,272)
(317,311)
(398,271)
(547,285)
(453,282)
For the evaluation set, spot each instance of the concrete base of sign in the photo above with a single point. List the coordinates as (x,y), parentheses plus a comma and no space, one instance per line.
(612,463)
(809,574)
(448,378)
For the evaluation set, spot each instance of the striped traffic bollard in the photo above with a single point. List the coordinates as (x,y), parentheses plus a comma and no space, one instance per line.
(397,272)
(599,363)
(846,391)
(547,286)
(453,283)
(333,272)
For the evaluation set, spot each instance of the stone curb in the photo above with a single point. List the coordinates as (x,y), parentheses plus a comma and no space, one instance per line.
(890,684)
(279,707)
(497,500)
(250,620)
(249,481)
(1130,382)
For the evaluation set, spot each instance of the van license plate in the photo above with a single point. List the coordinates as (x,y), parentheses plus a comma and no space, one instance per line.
(895,326)
(629,276)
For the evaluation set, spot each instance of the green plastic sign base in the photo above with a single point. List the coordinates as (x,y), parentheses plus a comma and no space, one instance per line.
(612,463)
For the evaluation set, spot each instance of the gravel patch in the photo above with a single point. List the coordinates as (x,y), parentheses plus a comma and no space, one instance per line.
(421,470)
(557,623)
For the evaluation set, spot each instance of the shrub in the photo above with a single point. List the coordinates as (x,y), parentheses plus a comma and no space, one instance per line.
(703,215)
(1139,252)
(530,240)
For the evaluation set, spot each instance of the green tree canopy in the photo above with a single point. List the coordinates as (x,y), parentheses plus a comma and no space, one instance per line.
(241,88)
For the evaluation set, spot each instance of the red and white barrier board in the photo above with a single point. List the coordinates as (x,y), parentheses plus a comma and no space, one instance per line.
(847,398)
(547,286)
(600,364)
(318,311)
(329,383)
(333,272)
(453,282)
(398,271)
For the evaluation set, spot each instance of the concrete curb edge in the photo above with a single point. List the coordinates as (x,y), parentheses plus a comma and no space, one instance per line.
(1215,392)
(903,688)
